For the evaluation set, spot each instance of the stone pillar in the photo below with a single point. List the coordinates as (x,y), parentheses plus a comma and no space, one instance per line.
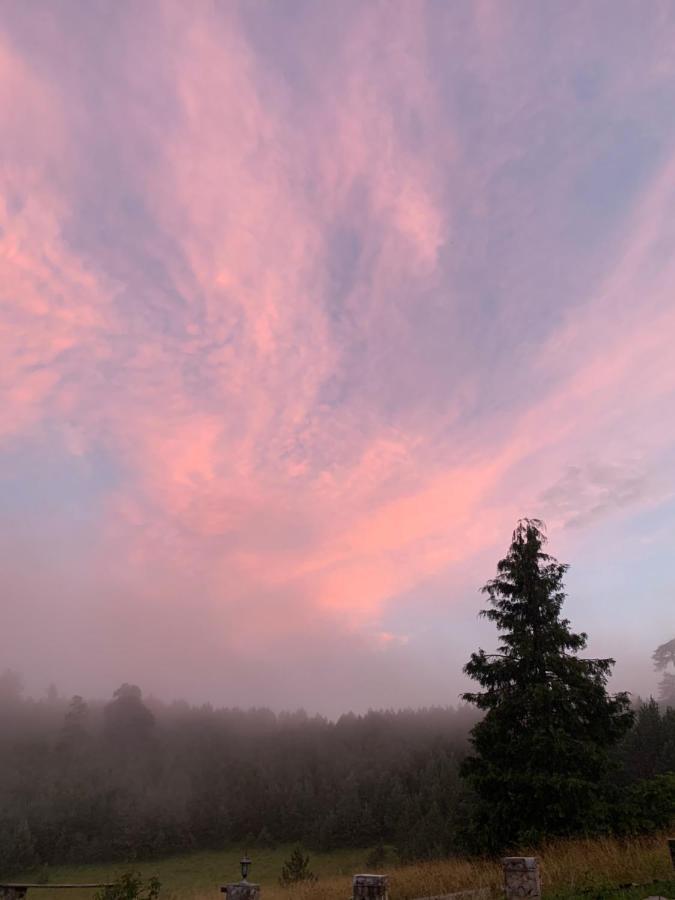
(241,890)
(671,845)
(370,887)
(521,877)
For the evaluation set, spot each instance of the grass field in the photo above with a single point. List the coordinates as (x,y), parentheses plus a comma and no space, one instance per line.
(592,869)
(198,874)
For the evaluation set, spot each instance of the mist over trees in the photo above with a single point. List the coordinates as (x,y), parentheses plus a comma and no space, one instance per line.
(547,752)
(135,777)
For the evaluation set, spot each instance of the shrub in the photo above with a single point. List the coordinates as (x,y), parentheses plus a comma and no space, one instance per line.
(130,886)
(296,869)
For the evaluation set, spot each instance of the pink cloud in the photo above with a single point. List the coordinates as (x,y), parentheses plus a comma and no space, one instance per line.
(272,475)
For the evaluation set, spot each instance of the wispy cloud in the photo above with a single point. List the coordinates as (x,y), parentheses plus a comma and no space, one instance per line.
(338,294)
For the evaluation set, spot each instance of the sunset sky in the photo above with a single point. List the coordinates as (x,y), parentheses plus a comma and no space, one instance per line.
(302,305)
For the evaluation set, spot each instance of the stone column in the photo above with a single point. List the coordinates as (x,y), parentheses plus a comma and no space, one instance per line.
(521,877)
(241,890)
(671,845)
(370,887)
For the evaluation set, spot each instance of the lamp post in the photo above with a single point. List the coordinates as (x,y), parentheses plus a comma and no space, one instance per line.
(240,890)
(245,864)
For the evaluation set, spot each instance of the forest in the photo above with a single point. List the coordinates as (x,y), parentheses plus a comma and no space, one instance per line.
(543,750)
(82,782)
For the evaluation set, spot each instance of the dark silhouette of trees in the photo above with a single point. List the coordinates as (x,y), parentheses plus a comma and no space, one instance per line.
(120,781)
(74,733)
(648,750)
(542,751)
(127,721)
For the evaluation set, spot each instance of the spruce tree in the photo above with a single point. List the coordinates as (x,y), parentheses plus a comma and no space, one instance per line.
(541,752)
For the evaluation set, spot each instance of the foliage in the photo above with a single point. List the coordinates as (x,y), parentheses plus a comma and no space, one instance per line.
(74,732)
(646,805)
(541,753)
(131,780)
(296,869)
(127,721)
(130,886)
(649,747)
(17,849)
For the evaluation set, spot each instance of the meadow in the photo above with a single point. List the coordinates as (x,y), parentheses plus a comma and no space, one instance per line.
(597,869)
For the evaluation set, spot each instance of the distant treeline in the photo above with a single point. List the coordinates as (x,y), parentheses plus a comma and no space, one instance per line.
(135,778)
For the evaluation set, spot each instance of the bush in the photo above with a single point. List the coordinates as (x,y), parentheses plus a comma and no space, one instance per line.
(296,869)
(648,805)
(130,886)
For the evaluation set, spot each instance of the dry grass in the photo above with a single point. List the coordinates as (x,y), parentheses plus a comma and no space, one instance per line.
(567,867)
(579,865)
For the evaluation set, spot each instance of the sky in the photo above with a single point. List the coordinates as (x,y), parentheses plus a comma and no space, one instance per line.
(302,306)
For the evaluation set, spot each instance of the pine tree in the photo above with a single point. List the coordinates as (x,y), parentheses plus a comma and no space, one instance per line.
(642,747)
(74,732)
(296,868)
(542,749)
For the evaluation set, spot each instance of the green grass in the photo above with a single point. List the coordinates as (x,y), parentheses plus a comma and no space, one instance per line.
(192,874)
(571,870)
